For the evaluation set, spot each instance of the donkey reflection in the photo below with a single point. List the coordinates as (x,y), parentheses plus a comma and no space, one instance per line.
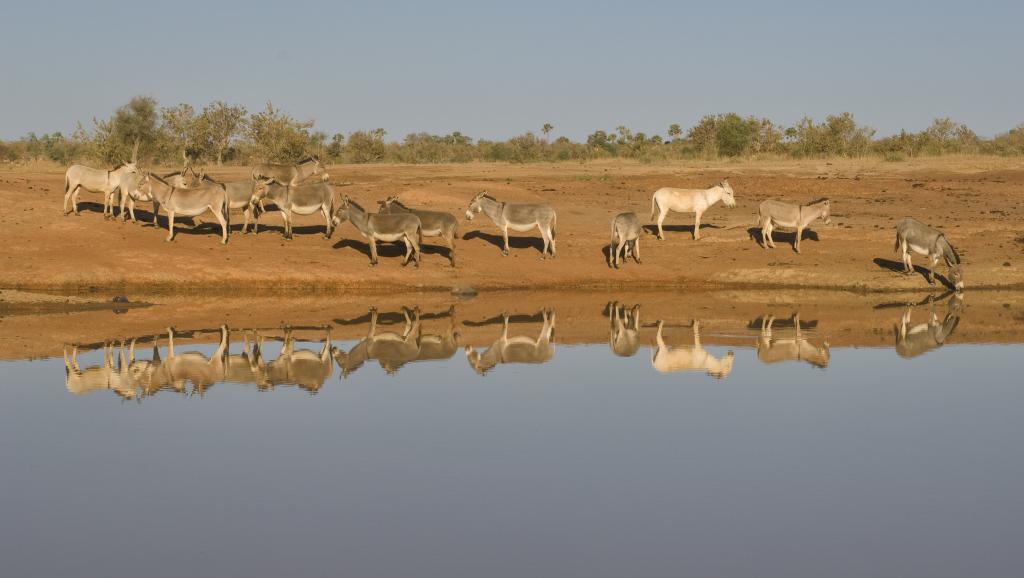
(304,368)
(914,340)
(624,329)
(774,349)
(192,366)
(517,349)
(696,358)
(105,376)
(393,349)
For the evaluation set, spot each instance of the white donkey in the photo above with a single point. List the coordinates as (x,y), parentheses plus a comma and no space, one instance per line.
(696,201)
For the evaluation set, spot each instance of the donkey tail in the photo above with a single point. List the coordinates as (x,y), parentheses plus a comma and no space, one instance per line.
(654,206)
(554,221)
(896,248)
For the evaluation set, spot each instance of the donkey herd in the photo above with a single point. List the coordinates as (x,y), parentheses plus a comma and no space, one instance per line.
(304,189)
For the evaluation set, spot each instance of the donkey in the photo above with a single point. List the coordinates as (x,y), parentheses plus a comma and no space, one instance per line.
(773,214)
(432,223)
(299,200)
(518,349)
(772,349)
(131,193)
(288,174)
(914,340)
(668,360)
(624,330)
(696,201)
(189,202)
(519,217)
(394,227)
(625,239)
(240,197)
(914,236)
(80,177)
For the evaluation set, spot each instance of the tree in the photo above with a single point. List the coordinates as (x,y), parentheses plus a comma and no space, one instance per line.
(277,137)
(546,129)
(674,131)
(366,146)
(220,123)
(133,122)
(178,128)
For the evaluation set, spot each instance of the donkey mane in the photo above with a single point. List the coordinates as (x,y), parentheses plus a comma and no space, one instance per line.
(308,159)
(956,256)
(399,203)
(819,201)
(355,204)
(487,196)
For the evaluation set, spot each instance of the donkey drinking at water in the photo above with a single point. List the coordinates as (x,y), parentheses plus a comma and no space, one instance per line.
(188,202)
(432,223)
(625,239)
(393,227)
(914,236)
(773,214)
(695,201)
(300,200)
(519,217)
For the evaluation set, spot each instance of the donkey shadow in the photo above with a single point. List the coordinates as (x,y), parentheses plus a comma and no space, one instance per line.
(897,267)
(383,249)
(653,229)
(279,229)
(500,319)
(785,237)
(513,242)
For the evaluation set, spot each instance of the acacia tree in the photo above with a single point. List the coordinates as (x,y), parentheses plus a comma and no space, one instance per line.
(546,129)
(219,124)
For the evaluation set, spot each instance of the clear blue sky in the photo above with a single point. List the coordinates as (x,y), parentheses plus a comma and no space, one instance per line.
(496,69)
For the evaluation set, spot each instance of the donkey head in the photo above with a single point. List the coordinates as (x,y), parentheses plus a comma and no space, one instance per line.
(728,199)
(474,206)
(956,277)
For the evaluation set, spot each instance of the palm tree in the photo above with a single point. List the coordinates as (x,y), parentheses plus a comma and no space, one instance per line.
(547,128)
(674,131)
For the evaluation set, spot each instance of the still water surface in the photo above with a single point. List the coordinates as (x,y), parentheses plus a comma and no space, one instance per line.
(318,456)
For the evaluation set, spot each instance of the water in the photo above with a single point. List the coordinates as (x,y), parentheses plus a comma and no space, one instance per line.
(845,461)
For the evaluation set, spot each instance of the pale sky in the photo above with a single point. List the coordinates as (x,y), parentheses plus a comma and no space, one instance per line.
(497,69)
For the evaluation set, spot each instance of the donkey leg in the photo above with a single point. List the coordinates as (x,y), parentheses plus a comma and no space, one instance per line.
(696,227)
(67,197)
(504,237)
(170,226)
(661,219)
(373,252)
(636,250)
(416,247)
(451,248)
(796,243)
(74,201)
(223,227)
(328,230)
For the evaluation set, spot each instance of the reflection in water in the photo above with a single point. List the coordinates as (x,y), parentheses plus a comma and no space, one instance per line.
(304,368)
(517,349)
(624,337)
(696,358)
(772,348)
(397,338)
(915,340)
(393,350)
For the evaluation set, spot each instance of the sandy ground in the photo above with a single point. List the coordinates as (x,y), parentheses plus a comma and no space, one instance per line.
(977,201)
(726,317)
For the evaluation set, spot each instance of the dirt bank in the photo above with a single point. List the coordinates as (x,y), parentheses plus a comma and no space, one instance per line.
(977,201)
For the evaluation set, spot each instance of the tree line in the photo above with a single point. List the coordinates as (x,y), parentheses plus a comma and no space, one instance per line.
(225,133)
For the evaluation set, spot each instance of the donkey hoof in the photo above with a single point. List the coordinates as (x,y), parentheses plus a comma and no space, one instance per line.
(504,253)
